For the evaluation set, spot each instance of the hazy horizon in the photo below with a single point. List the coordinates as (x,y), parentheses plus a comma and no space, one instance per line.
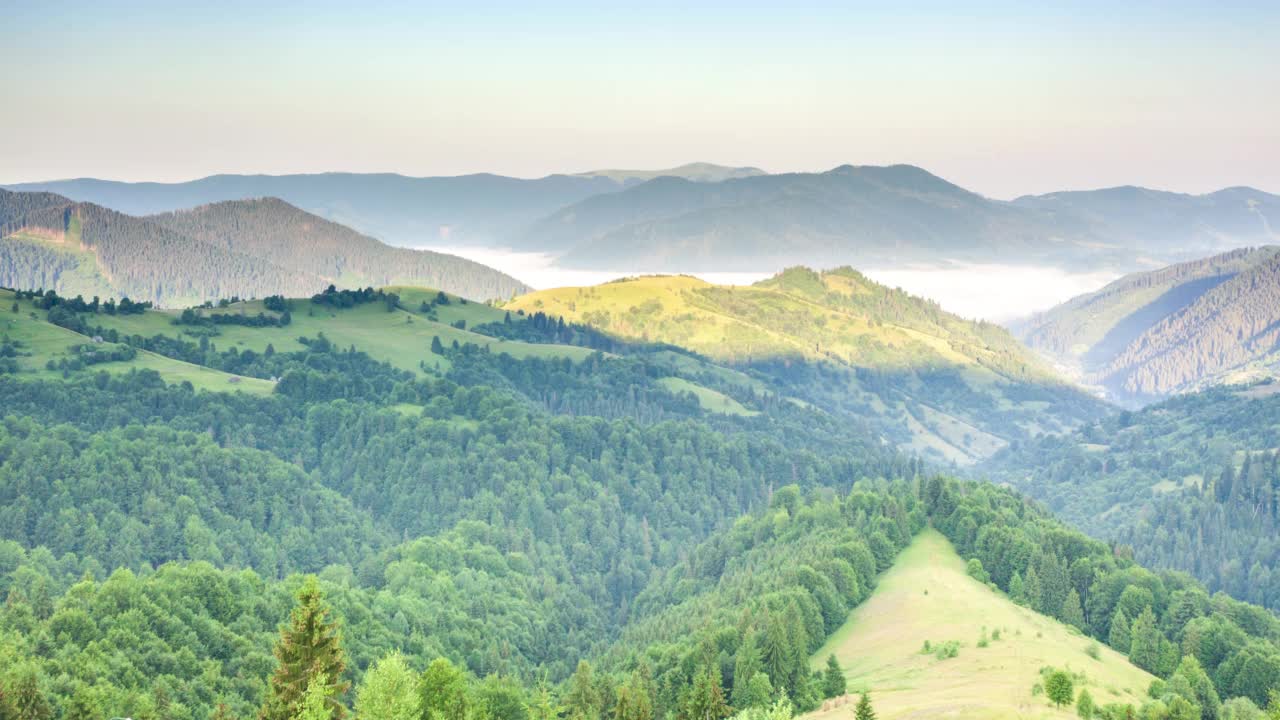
(1002,99)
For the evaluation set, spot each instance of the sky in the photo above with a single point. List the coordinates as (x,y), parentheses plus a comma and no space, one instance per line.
(996,97)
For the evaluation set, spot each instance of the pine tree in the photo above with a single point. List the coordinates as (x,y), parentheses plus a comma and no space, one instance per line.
(1119,638)
(1031,590)
(863,711)
(747,662)
(1144,648)
(583,700)
(28,703)
(309,646)
(436,347)
(776,653)
(1072,614)
(833,682)
(704,699)
(759,692)
(442,692)
(636,698)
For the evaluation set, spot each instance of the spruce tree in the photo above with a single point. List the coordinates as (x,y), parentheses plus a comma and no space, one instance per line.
(27,702)
(309,646)
(1031,591)
(583,700)
(833,682)
(1072,614)
(1119,638)
(863,711)
(704,699)
(1144,648)
(747,662)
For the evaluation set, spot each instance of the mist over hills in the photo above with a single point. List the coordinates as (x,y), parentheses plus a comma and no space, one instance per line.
(242,248)
(702,218)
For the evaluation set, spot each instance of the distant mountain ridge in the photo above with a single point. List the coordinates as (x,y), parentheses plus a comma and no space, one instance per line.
(1149,335)
(476,209)
(702,217)
(241,248)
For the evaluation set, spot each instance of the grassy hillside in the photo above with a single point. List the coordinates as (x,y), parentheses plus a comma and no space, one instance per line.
(943,386)
(1151,334)
(926,596)
(39,342)
(401,337)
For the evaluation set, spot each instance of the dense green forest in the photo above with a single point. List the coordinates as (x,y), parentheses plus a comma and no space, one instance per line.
(1190,484)
(497,536)
(250,248)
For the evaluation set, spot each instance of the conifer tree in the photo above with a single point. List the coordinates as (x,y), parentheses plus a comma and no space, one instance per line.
(583,700)
(1072,614)
(1032,589)
(747,662)
(833,682)
(28,703)
(704,700)
(1119,637)
(864,711)
(1144,648)
(309,646)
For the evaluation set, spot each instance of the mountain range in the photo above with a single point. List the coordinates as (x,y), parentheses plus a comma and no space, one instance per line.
(702,217)
(246,248)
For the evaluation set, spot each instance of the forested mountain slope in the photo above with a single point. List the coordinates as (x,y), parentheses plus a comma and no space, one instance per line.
(1152,334)
(943,386)
(282,234)
(249,249)
(1189,484)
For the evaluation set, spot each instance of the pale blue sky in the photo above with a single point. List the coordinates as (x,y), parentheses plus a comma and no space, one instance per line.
(994,96)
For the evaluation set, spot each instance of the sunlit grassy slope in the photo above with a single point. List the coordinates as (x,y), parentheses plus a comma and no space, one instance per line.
(838,314)
(944,387)
(41,341)
(926,596)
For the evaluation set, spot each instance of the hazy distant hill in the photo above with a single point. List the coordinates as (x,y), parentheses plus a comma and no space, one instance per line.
(945,387)
(248,248)
(1151,334)
(407,211)
(697,172)
(859,215)
(1165,224)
